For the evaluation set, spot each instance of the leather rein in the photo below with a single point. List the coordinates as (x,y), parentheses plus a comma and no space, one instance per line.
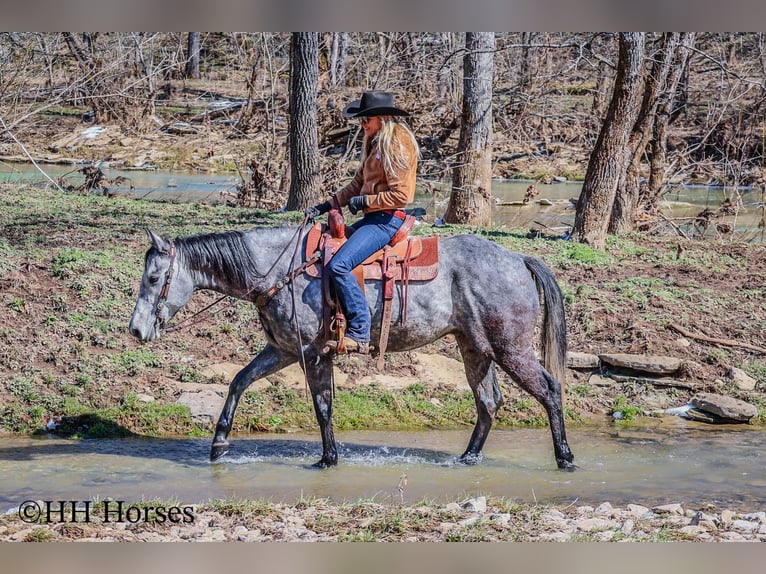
(260,301)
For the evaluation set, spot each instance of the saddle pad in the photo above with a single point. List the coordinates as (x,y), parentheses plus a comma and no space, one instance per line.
(423,263)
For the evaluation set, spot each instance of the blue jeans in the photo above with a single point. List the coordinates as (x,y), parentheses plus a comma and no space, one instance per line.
(371,233)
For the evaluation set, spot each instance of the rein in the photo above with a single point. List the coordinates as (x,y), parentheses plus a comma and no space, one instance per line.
(260,300)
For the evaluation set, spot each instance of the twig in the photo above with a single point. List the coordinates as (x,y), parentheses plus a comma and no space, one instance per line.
(674,226)
(34,163)
(571,503)
(725,342)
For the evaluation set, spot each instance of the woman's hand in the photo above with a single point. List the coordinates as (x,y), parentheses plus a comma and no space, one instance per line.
(317,210)
(356,203)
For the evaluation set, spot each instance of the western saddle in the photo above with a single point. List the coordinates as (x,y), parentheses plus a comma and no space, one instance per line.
(403,260)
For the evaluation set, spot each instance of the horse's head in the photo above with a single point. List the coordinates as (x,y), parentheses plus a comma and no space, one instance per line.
(165,288)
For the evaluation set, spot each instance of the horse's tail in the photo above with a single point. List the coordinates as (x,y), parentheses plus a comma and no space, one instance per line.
(554,329)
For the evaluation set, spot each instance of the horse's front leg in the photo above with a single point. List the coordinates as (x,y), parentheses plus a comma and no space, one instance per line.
(268,361)
(318,370)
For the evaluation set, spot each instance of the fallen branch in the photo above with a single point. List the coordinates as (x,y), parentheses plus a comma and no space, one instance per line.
(725,342)
(674,226)
(34,163)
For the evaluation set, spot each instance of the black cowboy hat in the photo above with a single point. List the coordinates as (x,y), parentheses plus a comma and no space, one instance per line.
(373,103)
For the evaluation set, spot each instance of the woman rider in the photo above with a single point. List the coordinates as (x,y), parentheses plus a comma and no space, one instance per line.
(382,187)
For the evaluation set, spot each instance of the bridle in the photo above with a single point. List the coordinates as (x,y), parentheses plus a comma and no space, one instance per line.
(163,297)
(260,301)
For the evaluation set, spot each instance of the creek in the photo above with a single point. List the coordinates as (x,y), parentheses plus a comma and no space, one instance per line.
(680,202)
(656,461)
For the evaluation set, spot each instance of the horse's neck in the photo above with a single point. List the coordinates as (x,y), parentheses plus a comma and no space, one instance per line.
(248,271)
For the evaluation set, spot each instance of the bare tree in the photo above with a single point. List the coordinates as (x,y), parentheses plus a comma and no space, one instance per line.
(608,159)
(304,148)
(626,200)
(665,111)
(192,55)
(471,196)
(338,54)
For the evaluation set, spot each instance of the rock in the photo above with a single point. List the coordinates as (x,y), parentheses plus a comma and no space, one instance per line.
(452,507)
(638,511)
(756,517)
(627,527)
(657,382)
(555,537)
(725,407)
(471,520)
(742,379)
(727,516)
(502,519)
(703,417)
(476,505)
(600,381)
(733,537)
(205,406)
(604,509)
(676,509)
(591,524)
(654,364)
(577,360)
(144,398)
(744,526)
(694,531)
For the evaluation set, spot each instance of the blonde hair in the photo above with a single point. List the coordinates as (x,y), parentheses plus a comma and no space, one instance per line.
(393,151)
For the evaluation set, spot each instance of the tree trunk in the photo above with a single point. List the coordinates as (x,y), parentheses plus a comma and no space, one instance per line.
(471,197)
(338,54)
(665,113)
(192,55)
(626,201)
(304,147)
(527,56)
(607,161)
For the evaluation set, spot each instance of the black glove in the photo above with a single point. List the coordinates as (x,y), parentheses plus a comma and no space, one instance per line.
(356,203)
(317,210)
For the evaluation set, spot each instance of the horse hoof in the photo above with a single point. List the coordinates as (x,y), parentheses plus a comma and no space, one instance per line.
(324,463)
(567,465)
(471,458)
(218,450)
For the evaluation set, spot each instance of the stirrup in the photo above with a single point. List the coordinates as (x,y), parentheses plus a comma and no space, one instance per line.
(345,346)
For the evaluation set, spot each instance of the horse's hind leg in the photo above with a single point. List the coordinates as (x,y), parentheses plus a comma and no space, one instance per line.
(319,374)
(480,372)
(533,378)
(268,361)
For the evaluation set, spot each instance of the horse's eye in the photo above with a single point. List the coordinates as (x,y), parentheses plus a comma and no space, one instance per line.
(153,279)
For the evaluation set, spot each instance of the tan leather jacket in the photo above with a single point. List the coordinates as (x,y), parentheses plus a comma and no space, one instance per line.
(394,191)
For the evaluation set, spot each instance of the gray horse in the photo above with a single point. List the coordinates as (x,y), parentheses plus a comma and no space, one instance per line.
(486,296)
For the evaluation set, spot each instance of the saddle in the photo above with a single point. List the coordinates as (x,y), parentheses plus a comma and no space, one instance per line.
(403,260)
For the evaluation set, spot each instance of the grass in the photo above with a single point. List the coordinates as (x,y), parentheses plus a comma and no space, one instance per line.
(76,262)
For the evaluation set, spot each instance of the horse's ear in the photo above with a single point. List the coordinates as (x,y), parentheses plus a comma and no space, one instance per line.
(158,242)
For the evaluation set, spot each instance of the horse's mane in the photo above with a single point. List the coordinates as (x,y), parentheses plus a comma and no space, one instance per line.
(225,255)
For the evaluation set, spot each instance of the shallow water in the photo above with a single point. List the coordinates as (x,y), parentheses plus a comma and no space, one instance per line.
(685,201)
(670,460)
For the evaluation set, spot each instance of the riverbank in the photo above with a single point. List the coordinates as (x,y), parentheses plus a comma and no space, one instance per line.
(474,520)
(69,270)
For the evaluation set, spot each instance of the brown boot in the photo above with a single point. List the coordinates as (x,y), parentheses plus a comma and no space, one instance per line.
(347,345)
